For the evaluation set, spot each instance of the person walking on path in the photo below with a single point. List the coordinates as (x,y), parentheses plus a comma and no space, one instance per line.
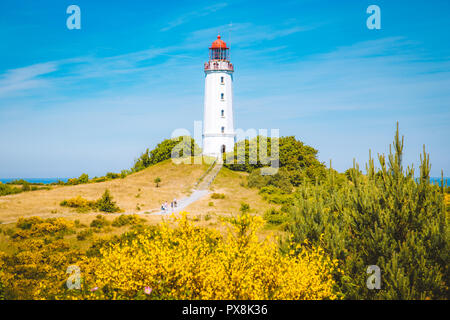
(175,202)
(171,205)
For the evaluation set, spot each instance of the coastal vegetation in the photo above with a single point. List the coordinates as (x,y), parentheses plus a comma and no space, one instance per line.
(305,232)
(104,204)
(176,261)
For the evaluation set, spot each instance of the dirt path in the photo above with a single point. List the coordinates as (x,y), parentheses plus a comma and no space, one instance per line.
(201,189)
(199,192)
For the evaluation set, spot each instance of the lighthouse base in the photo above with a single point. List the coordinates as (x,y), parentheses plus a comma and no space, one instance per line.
(216,145)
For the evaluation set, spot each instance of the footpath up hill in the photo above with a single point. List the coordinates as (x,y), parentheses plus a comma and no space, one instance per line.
(137,189)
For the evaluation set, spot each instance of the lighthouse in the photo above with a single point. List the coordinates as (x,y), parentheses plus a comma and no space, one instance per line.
(218,127)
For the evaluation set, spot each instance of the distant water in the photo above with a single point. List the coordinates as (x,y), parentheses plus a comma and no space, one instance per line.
(36,180)
(438,180)
(51,180)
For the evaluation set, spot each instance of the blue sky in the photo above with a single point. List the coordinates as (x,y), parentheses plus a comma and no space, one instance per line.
(91,100)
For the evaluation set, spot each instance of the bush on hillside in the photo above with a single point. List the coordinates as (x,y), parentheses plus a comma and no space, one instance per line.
(383,218)
(184,146)
(275,217)
(99,222)
(235,266)
(279,180)
(37,227)
(217,196)
(123,220)
(79,203)
(105,203)
(6,189)
(297,159)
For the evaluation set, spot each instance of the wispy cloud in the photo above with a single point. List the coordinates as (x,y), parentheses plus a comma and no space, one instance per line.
(132,67)
(193,15)
(378,75)
(246,34)
(23,79)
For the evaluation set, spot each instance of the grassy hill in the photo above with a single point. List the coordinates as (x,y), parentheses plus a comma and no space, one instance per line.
(232,185)
(137,189)
(137,192)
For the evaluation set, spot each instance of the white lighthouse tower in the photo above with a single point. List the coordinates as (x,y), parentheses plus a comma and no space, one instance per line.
(218,127)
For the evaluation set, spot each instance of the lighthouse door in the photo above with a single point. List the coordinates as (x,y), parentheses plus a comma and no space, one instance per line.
(223,148)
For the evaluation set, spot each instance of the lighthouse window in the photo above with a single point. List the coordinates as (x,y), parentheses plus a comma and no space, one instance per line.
(222,129)
(221,79)
(222,113)
(221,96)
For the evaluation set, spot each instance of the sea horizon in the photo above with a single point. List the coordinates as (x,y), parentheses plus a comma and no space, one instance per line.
(53,180)
(35,180)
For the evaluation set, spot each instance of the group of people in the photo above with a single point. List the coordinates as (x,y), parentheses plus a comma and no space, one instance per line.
(165,205)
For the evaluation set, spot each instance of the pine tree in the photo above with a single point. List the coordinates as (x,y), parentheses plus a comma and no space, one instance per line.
(382,218)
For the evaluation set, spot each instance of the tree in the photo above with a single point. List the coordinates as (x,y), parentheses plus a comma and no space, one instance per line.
(297,159)
(383,218)
(184,145)
(157,181)
(84,178)
(106,203)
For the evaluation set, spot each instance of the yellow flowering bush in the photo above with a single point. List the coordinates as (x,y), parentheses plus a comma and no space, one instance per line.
(190,262)
(36,227)
(36,264)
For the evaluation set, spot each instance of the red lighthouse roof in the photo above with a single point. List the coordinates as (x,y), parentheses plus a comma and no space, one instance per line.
(219,44)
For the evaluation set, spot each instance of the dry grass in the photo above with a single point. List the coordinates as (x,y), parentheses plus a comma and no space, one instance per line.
(177,180)
(233,185)
(139,189)
(135,190)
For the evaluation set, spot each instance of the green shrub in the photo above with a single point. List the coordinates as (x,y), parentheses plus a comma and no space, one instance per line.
(124,173)
(383,218)
(7,189)
(217,196)
(78,224)
(99,222)
(106,203)
(79,203)
(26,186)
(272,216)
(37,227)
(185,146)
(124,220)
(245,208)
(84,178)
(298,160)
(275,195)
(27,223)
(84,234)
(112,175)
(280,180)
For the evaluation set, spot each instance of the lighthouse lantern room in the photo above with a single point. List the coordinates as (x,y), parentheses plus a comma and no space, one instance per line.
(218,127)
